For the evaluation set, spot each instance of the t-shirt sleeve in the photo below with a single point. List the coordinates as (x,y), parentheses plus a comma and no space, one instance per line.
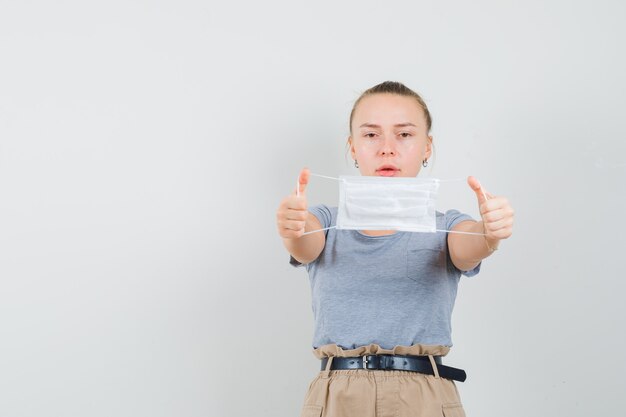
(454,217)
(324,216)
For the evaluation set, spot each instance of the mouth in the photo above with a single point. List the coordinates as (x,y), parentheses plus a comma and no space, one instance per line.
(387,171)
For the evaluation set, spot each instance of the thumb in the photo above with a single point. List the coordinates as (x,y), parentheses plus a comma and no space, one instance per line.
(478,189)
(303,181)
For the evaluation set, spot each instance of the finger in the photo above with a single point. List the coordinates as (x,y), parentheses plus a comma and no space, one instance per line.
(293,225)
(499,224)
(303,180)
(296,214)
(503,233)
(496,204)
(290,234)
(291,202)
(494,214)
(478,189)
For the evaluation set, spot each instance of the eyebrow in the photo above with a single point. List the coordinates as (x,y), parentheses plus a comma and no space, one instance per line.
(396,125)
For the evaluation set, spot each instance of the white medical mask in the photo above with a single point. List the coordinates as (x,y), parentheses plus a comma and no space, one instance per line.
(387,203)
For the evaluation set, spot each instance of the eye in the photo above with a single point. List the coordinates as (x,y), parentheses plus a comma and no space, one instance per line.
(370,135)
(405,134)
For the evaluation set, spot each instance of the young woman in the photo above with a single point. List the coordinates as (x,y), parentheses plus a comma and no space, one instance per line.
(382,300)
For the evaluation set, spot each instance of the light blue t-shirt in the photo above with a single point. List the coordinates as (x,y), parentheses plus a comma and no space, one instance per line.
(397,289)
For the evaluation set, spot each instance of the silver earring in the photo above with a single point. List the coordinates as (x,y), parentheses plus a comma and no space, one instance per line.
(425,163)
(356,164)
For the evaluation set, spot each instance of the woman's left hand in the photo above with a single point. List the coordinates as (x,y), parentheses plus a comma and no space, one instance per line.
(496,213)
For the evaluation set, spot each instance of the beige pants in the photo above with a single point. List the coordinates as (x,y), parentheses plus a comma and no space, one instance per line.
(381,393)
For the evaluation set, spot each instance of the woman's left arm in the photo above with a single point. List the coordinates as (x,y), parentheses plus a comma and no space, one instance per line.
(466,251)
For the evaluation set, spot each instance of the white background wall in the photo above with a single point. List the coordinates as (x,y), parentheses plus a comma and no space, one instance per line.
(145,146)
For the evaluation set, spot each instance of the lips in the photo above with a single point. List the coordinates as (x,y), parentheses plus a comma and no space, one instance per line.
(387,170)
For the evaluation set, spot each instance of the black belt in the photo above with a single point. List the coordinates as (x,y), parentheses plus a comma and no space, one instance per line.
(396,362)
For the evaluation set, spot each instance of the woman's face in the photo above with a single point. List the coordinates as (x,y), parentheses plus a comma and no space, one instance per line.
(389,136)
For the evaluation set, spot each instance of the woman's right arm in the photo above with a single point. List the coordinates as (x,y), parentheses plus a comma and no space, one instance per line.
(293,219)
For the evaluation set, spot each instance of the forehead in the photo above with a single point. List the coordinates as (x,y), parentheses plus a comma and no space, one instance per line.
(385,109)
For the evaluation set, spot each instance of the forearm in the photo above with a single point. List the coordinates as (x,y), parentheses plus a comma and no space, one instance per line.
(466,251)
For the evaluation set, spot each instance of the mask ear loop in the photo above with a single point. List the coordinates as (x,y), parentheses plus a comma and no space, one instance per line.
(298,195)
(484,195)
(460,233)
(318,230)
(465,233)
(469,233)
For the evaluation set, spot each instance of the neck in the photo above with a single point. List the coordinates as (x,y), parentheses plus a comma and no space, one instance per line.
(378,232)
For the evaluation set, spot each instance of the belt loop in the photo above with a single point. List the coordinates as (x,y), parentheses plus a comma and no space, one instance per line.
(434,365)
(326,372)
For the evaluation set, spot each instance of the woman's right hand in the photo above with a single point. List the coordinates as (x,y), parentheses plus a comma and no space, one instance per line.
(292,213)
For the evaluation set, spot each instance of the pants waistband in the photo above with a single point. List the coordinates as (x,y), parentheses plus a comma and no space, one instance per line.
(421,364)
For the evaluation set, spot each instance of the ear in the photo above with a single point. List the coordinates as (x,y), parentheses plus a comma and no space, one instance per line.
(429,147)
(352,150)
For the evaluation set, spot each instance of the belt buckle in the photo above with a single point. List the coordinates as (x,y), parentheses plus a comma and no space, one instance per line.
(365,361)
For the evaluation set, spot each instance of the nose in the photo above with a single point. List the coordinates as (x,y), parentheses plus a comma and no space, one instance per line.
(388,147)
